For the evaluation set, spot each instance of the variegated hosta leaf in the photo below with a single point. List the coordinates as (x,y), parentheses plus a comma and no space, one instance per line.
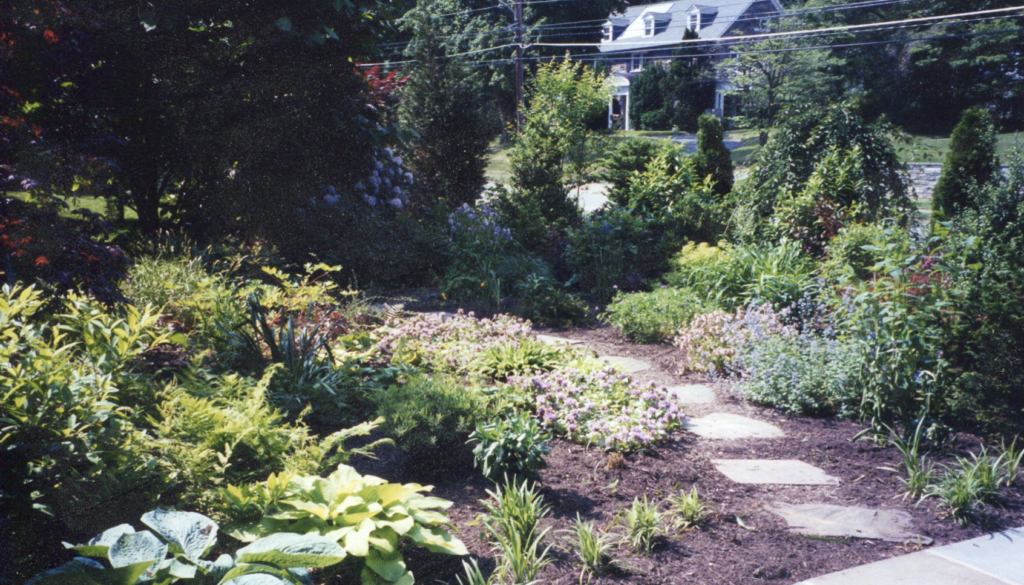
(189,533)
(390,567)
(437,540)
(70,573)
(430,517)
(357,542)
(400,523)
(136,547)
(288,549)
(98,545)
(261,569)
(384,539)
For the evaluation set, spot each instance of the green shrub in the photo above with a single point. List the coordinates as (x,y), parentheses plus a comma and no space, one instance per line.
(713,158)
(173,552)
(846,259)
(624,162)
(903,317)
(649,317)
(804,373)
(522,357)
(513,445)
(367,516)
(183,289)
(733,277)
(431,419)
(970,162)
(545,301)
(605,249)
(785,165)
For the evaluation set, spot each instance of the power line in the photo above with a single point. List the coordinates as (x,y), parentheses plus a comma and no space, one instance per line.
(807,33)
(641,44)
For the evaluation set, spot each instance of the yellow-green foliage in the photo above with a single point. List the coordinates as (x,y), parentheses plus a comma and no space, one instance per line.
(211,430)
(367,515)
(694,256)
(187,292)
(63,412)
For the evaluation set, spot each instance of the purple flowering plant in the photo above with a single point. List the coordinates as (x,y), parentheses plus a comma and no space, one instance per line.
(477,245)
(603,407)
(446,343)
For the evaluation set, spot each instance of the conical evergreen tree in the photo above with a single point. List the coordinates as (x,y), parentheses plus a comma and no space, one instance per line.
(971,161)
(442,103)
(713,158)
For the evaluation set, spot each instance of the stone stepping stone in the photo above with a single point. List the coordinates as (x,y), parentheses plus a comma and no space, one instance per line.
(720,425)
(550,340)
(626,364)
(920,568)
(999,555)
(693,394)
(844,521)
(776,472)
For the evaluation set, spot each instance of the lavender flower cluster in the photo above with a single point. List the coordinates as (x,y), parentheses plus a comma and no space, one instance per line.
(604,407)
(448,343)
(711,340)
(478,225)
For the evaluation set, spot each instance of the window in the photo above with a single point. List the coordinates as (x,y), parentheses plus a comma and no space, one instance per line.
(636,62)
(694,21)
(608,33)
(649,26)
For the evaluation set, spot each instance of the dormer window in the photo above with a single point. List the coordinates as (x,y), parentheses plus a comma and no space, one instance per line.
(609,32)
(693,21)
(649,26)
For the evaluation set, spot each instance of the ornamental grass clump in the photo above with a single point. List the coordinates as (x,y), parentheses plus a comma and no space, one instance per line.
(603,407)
(642,522)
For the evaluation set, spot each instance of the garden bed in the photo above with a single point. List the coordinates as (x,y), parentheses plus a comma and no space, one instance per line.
(578,481)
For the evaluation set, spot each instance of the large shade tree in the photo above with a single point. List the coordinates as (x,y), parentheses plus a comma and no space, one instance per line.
(204,110)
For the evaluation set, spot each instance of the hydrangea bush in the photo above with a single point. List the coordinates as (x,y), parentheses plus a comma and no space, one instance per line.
(446,343)
(602,407)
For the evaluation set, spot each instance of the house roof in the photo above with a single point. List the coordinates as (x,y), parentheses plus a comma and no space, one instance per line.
(717,17)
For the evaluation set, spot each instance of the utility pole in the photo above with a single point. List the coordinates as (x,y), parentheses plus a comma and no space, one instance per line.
(518,10)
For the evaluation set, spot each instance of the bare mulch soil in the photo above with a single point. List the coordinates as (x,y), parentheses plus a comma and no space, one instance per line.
(741,542)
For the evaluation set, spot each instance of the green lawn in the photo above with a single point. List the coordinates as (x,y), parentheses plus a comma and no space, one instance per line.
(93,204)
(498,167)
(932,149)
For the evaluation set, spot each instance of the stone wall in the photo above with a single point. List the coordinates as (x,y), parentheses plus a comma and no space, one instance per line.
(924,176)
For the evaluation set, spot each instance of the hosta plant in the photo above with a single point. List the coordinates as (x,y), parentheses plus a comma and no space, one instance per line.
(174,548)
(514,445)
(371,519)
(522,357)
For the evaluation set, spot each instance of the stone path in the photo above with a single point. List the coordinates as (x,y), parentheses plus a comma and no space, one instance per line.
(849,521)
(627,364)
(720,425)
(551,340)
(774,472)
(693,394)
(994,559)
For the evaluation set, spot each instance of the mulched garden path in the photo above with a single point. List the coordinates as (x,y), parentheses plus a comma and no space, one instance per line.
(756,548)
